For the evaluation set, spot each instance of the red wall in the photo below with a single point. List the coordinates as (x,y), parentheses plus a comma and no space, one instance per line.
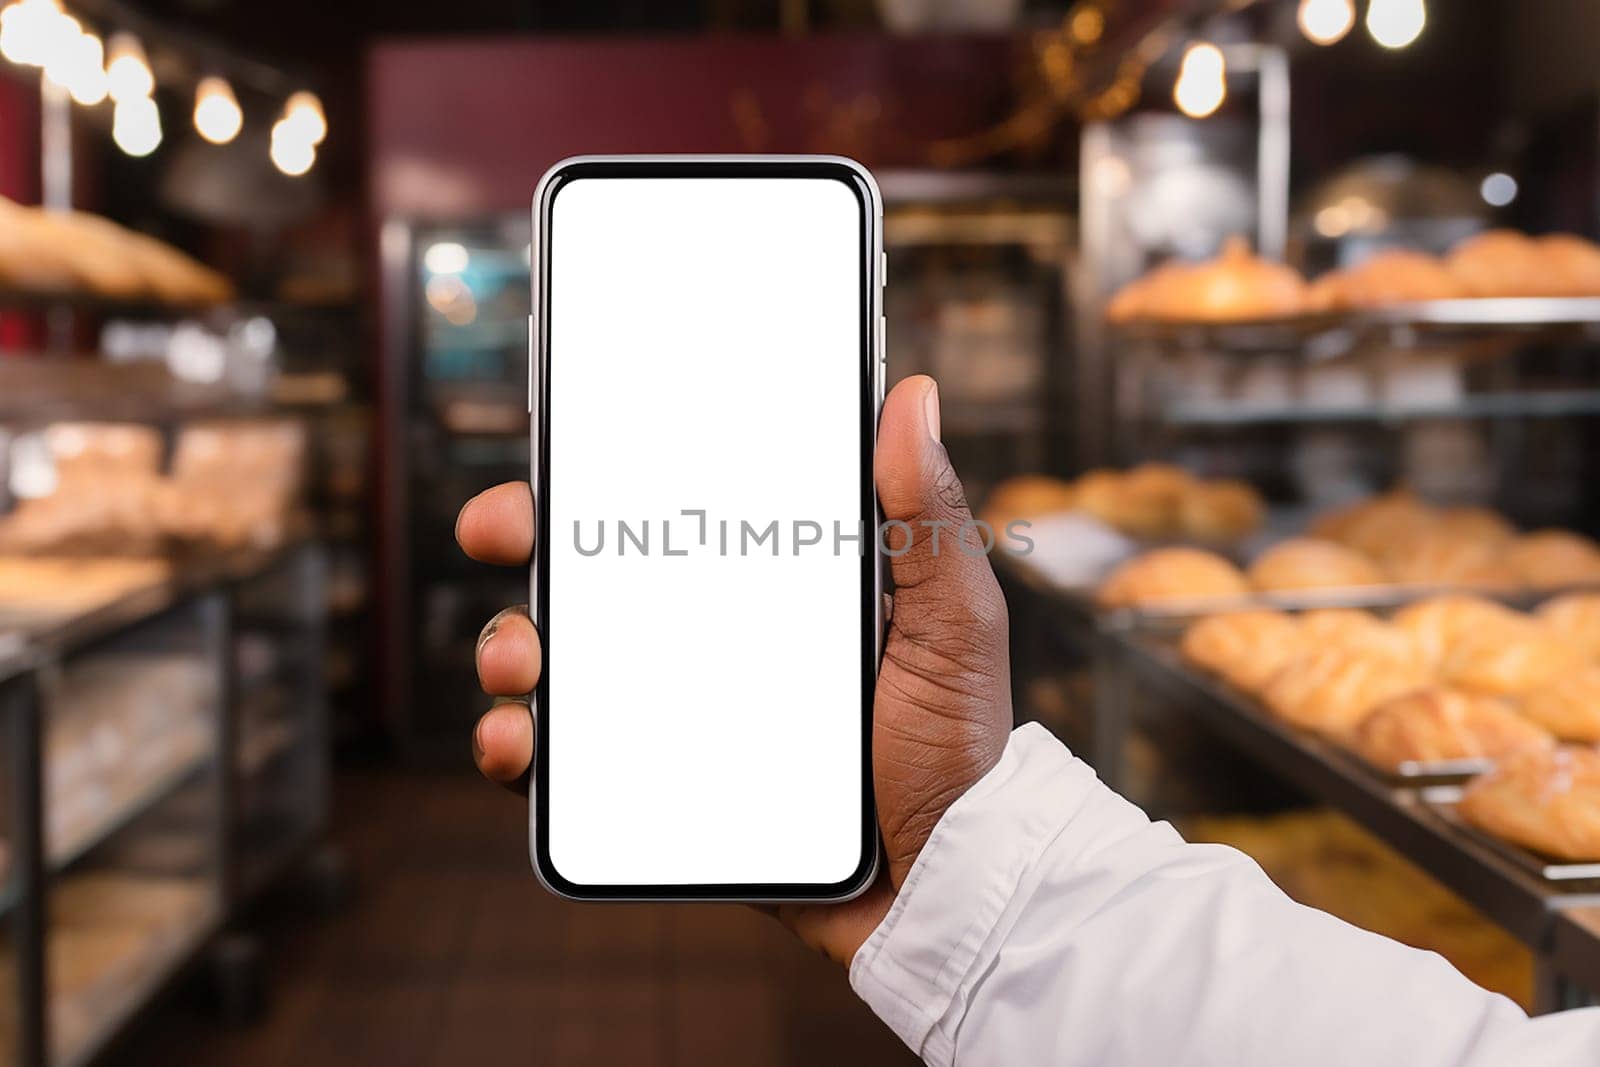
(462,128)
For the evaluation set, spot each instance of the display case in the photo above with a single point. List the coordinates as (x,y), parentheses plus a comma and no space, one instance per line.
(978,296)
(458,424)
(131,807)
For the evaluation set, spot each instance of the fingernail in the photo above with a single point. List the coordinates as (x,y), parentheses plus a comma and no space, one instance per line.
(488,632)
(477,739)
(930,408)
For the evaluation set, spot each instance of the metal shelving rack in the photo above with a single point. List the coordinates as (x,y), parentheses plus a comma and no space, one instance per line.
(208,605)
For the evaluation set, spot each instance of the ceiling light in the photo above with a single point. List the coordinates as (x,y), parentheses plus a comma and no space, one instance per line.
(216,110)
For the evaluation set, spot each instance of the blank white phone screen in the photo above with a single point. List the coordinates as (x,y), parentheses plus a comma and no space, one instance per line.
(705,664)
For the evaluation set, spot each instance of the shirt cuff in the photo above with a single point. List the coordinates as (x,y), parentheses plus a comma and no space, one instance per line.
(917,968)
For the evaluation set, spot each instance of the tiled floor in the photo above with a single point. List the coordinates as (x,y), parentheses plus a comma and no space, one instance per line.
(450,953)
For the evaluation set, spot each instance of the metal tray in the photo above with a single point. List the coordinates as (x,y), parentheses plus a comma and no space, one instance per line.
(1443,799)
(1331,335)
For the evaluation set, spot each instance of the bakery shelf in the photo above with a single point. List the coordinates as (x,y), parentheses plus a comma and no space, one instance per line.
(83,1025)
(1330,335)
(183,816)
(180,765)
(1575,953)
(1504,890)
(1534,404)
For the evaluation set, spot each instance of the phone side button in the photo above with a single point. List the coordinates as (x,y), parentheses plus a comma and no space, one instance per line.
(530,363)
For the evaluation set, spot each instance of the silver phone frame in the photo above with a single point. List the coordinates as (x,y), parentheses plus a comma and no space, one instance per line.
(537,346)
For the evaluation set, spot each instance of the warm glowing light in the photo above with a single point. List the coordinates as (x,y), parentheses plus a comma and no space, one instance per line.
(304,115)
(216,111)
(79,68)
(1087,24)
(291,152)
(128,73)
(1396,23)
(136,126)
(1202,81)
(29,29)
(1326,21)
(445,257)
(450,297)
(1498,189)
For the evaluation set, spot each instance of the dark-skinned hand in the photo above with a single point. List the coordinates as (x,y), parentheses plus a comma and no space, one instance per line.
(942,712)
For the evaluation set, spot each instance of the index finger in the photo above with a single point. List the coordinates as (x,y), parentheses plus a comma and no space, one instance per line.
(496,526)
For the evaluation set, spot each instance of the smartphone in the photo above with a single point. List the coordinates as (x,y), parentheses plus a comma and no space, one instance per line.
(706,372)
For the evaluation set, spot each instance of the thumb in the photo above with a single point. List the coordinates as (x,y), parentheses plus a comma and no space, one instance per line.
(943,707)
(937,553)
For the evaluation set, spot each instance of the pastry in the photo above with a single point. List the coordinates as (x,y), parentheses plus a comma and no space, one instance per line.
(1132,301)
(1331,688)
(1480,524)
(1235,286)
(1148,509)
(172,275)
(1568,705)
(1218,511)
(96,248)
(1169,574)
(1435,556)
(1547,800)
(1244,648)
(1548,558)
(1436,723)
(1576,616)
(1508,659)
(1393,276)
(1353,629)
(1309,563)
(1371,526)
(1573,263)
(1026,496)
(1435,624)
(1500,263)
(30,258)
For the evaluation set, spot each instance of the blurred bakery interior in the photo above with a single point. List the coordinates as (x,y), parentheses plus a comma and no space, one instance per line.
(1277,320)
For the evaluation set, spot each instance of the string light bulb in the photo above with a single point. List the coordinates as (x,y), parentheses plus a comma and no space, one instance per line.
(136,126)
(1396,23)
(1326,21)
(80,70)
(128,74)
(216,110)
(291,152)
(27,30)
(1202,83)
(303,113)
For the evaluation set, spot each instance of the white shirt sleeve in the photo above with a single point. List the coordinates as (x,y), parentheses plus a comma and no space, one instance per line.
(1048,921)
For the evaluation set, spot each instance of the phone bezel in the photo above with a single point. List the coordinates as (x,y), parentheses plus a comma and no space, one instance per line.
(871,384)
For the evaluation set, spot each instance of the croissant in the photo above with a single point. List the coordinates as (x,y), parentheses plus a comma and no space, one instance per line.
(1576,616)
(1568,705)
(1500,263)
(1547,800)
(1437,623)
(1167,574)
(1393,276)
(1309,563)
(1222,510)
(1573,263)
(1330,689)
(1508,660)
(1244,648)
(1436,723)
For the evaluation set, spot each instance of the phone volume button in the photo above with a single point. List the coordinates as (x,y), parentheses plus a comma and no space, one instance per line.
(530,363)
